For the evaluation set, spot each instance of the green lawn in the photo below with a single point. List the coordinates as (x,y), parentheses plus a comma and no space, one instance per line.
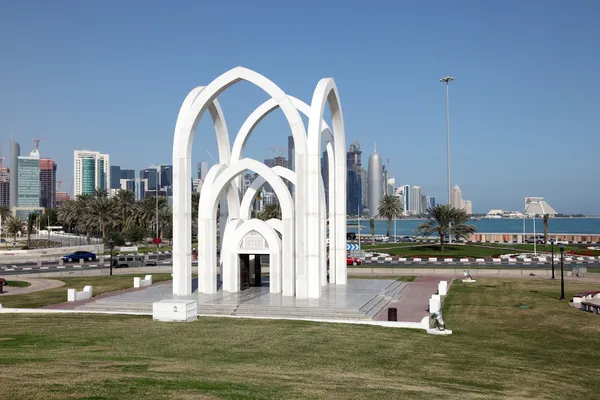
(18,283)
(100,284)
(433,250)
(498,350)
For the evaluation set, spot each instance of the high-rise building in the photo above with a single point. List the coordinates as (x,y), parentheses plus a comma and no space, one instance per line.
(365,188)
(61,197)
(92,171)
(28,180)
(202,170)
(159,180)
(456,199)
(15,152)
(279,160)
(431,201)
(127,174)
(405,194)
(354,179)
(468,206)
(375,182)
(423,203)
(115,177)
(416,203)
(47,183)
(4,186)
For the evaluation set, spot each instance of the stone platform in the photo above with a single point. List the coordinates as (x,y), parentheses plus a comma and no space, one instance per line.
(360,299)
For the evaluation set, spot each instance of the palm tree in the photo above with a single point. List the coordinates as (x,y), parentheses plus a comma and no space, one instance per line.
(100,193)
(30,223)
(269,212)
(389,207)
(4,213)
(101,213)
(546,216)
(13,226)
(372,225)
(124,200)
(439,219)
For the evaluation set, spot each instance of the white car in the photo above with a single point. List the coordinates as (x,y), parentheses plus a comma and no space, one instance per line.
(382,238)
(557,241)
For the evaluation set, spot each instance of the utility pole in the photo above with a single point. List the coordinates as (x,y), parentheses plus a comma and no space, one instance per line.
(447,81)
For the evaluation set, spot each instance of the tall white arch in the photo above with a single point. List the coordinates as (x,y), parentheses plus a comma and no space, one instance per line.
(220,177)
(190,114)
(258,183)
(325,92)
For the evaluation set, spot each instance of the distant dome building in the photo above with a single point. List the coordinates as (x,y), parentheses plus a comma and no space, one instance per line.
(375,182)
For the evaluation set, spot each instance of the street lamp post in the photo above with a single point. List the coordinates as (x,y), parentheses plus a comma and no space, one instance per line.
(447,81)
(111,245)
(562,277)
(552,245)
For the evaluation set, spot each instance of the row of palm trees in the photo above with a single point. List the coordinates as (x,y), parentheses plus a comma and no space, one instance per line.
(442,220)
(118,216)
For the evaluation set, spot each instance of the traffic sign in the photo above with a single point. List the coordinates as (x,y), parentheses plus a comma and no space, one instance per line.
(352,246)
(156,240)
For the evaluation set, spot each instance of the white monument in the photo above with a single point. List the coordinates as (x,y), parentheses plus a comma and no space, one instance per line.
(296,244)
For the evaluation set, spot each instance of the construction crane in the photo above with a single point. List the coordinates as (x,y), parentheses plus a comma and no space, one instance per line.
(280,150)
(1,158)
(37,141)
(59,182)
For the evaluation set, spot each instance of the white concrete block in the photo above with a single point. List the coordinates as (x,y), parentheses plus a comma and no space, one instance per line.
(448,259)
(527,260)
(443,288)
(433,259)
(175,310)
(74,295)
(416,259)
(434,303)
(464,260)
(512,260)
(496,260)
(469,280)
(480,260)
(402,259)
(139,282)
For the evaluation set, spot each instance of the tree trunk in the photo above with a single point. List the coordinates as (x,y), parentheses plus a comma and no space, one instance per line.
(442,241)
(389,226)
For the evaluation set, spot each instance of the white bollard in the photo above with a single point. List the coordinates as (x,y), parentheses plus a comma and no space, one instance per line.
(74,295)
(434,304)
(443,288)
(136,282)
(71,294)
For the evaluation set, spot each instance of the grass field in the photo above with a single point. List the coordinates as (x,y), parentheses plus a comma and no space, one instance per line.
(498,350)
(433,250)
(18,284)
(100,284)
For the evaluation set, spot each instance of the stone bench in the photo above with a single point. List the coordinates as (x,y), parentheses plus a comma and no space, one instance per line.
(139,282)
(74,295)
(594,308)
(582,297)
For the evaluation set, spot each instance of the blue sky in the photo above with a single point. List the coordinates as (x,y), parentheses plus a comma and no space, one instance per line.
(110,76)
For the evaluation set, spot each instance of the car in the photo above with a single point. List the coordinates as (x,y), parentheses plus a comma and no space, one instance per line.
(539,239)
(382,238)
(353,261)
(79,255)
(408,239)
(557,241)
(125,261)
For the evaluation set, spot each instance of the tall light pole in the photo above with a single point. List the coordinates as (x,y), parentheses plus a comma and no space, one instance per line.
(447,81)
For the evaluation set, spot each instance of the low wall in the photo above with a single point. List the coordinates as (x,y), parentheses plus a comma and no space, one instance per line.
(578,238)
(49,254)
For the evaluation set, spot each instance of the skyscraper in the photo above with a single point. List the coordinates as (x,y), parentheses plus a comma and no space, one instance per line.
(468,206)
(115,177)
(354,184)
(405,193)
(28,180)
(416,202)
(202,170)
(431,201)
(375,182)
(92,171)
(456,199)
(4,186)
(15,152)
(47,183)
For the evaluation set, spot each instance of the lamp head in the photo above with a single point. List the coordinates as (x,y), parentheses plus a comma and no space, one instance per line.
(562,247)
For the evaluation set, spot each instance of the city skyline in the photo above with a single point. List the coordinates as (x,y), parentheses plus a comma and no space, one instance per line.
(92,91)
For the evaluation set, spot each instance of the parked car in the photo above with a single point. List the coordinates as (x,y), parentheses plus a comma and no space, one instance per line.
(353,261)
(539,239)
(382,238)
(557,241)
(79,255)
(125,261)
(408,239)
